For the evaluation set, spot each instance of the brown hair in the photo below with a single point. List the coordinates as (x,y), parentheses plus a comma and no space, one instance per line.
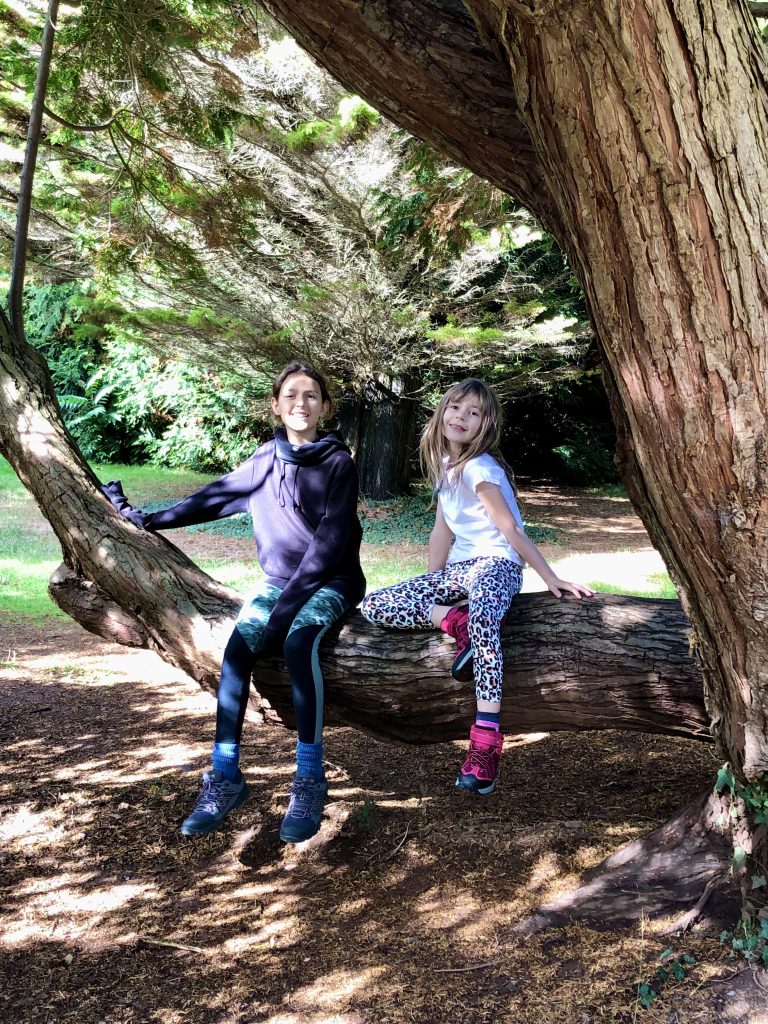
(309,371)
(433,447)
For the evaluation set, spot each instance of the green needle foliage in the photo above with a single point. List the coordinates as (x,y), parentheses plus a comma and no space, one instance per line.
(225,206)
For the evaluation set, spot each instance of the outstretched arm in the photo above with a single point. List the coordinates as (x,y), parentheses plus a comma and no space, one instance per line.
(500,515)
(220,498)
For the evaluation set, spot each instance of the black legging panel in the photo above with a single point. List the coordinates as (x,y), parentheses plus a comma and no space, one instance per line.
(306,684)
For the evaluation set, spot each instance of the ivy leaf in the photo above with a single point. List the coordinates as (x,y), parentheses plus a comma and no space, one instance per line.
(739,858)
(758,881)
(725,780)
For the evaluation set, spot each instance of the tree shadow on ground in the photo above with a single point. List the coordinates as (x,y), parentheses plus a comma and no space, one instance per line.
(402,909)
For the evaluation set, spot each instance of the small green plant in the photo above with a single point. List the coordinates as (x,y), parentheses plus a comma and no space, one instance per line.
(749,938)
(364,815)
(671,967)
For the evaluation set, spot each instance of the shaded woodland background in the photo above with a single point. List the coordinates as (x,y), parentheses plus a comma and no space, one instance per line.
(241,208)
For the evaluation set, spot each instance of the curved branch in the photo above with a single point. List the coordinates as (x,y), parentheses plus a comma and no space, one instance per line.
(426,67)
(83,127)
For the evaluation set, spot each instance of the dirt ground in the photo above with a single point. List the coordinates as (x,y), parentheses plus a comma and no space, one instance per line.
(401,911)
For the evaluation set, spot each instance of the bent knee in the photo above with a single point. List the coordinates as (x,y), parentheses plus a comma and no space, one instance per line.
(299,644)
(372,608)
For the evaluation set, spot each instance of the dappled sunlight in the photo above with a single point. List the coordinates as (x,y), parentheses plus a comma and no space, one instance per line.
(26,828)
(407,884)
(336,986)
(525,739)
(67,911)
(447,908)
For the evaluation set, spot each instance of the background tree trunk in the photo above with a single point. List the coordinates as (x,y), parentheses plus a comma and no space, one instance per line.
(386,444)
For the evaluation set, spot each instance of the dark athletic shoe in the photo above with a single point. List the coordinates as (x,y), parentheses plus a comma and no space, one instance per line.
(305,809)
(481,769)
(455,624)
(217,798)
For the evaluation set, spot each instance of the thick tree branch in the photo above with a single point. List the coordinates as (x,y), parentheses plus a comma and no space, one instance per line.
(424,65)
(610,663)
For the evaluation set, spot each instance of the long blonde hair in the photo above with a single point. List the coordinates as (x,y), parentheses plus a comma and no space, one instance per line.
(433,446)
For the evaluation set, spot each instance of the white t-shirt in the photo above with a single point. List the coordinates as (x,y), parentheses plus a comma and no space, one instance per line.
(475,536)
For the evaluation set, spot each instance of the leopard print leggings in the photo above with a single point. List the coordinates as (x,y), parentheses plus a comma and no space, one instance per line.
(489,583)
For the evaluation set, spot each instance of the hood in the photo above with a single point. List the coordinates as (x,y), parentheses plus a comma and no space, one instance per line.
(310,454)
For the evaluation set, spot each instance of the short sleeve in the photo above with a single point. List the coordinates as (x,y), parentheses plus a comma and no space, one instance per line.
(481,471)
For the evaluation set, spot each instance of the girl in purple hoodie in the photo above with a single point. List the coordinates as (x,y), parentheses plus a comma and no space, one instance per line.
(301,490)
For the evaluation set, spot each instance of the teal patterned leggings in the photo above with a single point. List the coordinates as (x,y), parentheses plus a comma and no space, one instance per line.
(301,646)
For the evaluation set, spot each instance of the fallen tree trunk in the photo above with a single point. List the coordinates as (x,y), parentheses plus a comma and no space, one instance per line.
(608,663)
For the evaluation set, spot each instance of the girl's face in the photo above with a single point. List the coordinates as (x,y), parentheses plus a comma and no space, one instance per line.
(462,420)
(300,407)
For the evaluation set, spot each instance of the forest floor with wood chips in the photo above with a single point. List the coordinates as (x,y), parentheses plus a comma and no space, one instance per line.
(401,911)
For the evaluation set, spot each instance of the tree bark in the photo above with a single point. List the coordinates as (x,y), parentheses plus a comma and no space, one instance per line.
(176,609)
(19,259)
(424,65)
(644,128)
(386,444)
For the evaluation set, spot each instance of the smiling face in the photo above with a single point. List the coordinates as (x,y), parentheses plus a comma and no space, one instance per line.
(300,407)
(462,421)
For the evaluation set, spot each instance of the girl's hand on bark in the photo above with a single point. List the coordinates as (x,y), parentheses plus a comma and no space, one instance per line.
(559,587)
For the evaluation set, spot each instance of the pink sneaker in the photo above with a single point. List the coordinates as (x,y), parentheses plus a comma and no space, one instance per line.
(455,625)
(481,769)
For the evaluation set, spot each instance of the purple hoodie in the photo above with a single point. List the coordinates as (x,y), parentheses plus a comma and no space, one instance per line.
(303,503)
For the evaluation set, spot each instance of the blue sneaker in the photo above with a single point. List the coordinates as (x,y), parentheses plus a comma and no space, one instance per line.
(305,809)
(217,798)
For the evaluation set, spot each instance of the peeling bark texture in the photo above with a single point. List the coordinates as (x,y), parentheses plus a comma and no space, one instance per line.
(145,587)
(637,132)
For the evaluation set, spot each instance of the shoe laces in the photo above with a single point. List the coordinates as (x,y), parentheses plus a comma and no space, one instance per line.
(213,796)
(484,759)
(306,798)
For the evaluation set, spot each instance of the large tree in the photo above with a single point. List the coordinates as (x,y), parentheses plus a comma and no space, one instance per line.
(637,134)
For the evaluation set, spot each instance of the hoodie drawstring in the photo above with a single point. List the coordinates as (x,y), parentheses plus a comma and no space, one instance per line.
(294,488)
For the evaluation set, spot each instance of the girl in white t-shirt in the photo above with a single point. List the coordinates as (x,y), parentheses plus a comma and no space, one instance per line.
(476,554)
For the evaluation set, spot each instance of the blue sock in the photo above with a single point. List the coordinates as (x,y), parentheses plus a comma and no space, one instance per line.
(309,760)
(489,720)
(226,759)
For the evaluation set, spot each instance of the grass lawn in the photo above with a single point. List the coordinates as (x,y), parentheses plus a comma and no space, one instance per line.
(395,535)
